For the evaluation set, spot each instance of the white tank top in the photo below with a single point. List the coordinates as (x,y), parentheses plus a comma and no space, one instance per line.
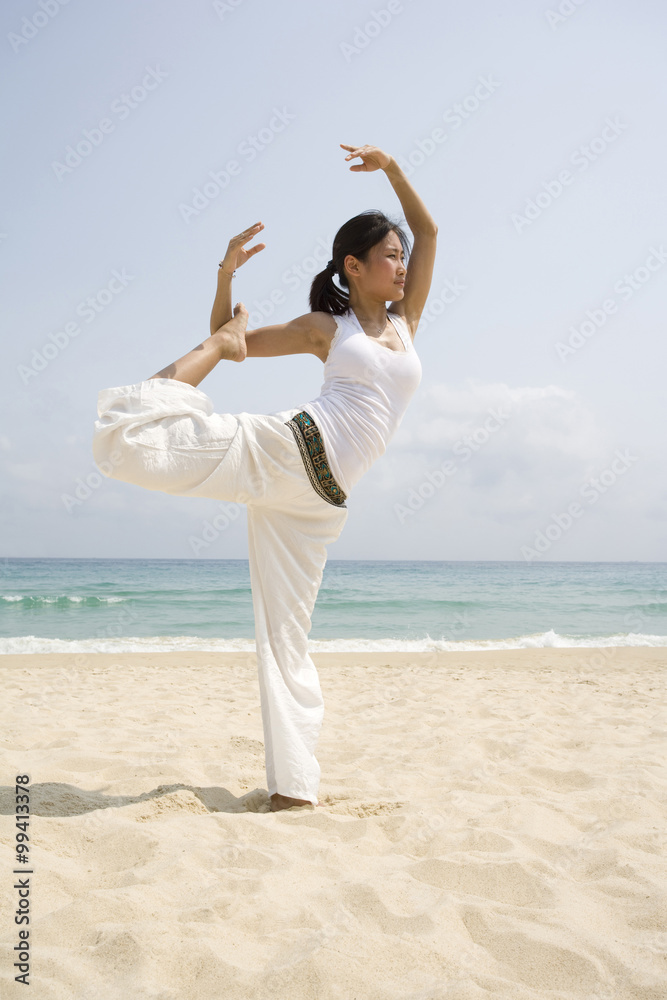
(366,390)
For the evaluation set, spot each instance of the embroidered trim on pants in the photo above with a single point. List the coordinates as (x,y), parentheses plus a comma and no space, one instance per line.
(314,457)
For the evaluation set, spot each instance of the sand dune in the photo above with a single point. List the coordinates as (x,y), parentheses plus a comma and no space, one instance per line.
(490,825)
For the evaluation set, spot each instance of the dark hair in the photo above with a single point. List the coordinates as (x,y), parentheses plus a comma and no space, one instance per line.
(357,236)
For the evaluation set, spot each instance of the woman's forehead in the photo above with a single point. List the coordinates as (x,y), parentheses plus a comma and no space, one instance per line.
(390,240)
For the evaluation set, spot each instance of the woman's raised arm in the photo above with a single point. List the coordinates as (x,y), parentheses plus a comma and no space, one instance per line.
(421,223)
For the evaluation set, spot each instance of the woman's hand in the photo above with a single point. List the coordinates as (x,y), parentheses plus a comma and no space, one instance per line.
(236,256)
(373,157)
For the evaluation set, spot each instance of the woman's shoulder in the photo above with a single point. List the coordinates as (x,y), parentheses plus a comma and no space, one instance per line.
(324,322)
(325,327)
(408,324)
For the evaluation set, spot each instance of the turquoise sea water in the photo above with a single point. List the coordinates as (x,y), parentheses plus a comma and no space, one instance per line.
(108,604)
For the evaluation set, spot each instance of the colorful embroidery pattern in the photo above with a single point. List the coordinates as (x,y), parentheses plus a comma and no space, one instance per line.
(314,457)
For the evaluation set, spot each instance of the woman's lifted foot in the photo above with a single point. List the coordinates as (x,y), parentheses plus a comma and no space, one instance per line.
(279,801)
(231,336)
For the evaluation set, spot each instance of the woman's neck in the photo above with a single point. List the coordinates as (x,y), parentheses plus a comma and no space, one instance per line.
(373,314)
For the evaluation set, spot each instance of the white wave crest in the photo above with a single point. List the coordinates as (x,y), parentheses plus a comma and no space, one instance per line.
(62,598)
(167,644)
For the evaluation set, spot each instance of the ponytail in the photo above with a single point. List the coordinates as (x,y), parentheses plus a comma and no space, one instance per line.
(325,296)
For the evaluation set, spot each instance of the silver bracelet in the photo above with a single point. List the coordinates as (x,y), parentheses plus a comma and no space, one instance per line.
(221,268)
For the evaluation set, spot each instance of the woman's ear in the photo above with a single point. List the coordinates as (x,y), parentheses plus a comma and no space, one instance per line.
(351,266)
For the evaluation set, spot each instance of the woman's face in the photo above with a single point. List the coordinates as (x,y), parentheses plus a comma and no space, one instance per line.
(382,274)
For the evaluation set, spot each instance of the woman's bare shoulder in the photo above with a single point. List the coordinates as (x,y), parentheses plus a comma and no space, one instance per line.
(323,328)
(398,309)
(323,322)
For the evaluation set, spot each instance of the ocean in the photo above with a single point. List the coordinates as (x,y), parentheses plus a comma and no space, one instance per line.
(108,605)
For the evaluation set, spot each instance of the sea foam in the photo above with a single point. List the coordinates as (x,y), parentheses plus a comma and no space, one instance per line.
(168,644)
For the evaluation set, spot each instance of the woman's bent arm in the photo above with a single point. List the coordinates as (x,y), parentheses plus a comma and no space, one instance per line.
(222,306)
(299,336)
(235,257)
(234,343)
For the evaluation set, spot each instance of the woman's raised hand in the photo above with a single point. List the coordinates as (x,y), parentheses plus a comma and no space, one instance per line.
(236,256)
(373,157)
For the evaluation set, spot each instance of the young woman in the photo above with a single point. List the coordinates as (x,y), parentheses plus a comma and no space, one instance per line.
(295,468)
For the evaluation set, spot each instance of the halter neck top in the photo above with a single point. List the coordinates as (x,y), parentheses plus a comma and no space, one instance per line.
(366,390)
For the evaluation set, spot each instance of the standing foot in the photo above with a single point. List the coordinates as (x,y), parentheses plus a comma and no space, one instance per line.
(279,801)
(231,336)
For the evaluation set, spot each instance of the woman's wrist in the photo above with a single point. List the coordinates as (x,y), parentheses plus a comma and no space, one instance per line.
(392,167)
(221,270)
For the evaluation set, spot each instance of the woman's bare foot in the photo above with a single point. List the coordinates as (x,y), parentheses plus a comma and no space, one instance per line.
(231,336)
(279,801)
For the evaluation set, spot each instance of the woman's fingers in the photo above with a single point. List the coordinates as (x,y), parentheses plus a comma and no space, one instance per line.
(248,234)
(252,231)
(362,151)
(236,255)
(373,158)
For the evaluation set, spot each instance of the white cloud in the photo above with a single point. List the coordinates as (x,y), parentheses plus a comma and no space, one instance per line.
(493,453)
(540,434)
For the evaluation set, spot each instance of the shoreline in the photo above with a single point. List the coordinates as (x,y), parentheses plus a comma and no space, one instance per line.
(571,657)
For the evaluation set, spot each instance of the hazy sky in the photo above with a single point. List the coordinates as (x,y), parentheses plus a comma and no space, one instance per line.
(534,132)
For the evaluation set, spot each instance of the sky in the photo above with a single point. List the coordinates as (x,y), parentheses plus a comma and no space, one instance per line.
(534,133)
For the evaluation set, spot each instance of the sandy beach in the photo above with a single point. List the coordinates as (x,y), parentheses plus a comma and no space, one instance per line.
(490,825)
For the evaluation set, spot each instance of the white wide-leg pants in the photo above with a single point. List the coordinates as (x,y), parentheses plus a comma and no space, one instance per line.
(164,435)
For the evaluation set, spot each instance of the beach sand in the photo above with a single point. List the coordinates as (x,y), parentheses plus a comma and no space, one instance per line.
(490,825)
